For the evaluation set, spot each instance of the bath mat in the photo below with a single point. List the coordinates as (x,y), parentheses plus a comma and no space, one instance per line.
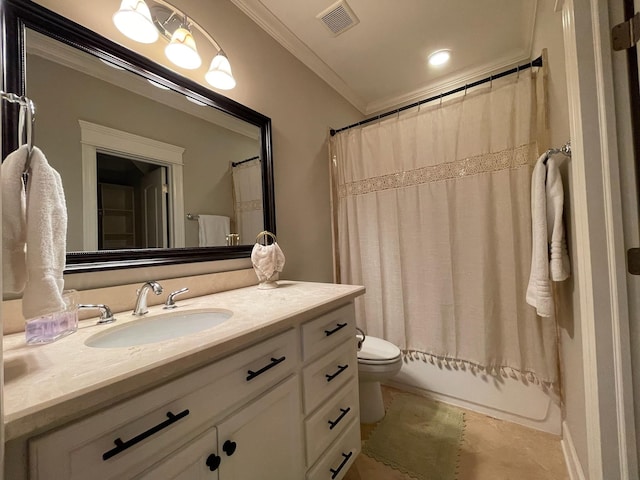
(419,437)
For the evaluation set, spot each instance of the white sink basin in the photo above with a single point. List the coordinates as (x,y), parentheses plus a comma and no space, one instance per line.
(158,328)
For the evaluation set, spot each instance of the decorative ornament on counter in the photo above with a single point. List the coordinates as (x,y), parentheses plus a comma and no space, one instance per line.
(268,260)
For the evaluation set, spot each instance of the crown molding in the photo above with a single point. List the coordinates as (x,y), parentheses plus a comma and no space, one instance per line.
(263,17)
(435,88)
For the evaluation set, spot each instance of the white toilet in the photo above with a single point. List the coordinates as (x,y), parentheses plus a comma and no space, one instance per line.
(378,360)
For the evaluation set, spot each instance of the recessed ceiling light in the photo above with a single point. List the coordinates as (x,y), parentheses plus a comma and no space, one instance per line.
(439,58)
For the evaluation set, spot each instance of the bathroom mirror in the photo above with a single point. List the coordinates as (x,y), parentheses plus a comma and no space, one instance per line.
(188,147)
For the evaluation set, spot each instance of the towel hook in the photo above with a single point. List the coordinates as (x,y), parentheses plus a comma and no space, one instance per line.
(264,234)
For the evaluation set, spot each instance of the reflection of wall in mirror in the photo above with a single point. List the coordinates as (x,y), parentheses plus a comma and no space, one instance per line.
(63,96)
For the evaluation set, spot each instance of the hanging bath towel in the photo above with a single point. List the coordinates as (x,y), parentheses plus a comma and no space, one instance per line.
(46,239)
(213,230)
(14,218)
(549,259)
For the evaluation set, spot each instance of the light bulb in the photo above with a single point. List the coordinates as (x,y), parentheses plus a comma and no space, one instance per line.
(219,74)
(182,49)
(134,20)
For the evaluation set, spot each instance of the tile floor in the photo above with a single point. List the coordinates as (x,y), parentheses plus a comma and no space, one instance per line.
(491,450)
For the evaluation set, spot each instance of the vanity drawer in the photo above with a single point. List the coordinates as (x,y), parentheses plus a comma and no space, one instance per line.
(328,331)
(335,463)
(328,374)
(125,439)
(324,426)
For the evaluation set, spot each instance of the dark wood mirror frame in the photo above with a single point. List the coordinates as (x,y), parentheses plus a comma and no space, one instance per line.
(15,17)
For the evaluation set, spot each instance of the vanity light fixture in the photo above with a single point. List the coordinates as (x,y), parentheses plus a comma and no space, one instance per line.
(182,48)
(134,20)
(135,16)
(439,58)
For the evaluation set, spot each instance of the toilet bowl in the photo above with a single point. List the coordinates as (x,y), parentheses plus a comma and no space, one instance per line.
(378,360)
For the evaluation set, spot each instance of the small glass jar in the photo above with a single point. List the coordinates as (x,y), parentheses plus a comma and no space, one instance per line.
(53,326)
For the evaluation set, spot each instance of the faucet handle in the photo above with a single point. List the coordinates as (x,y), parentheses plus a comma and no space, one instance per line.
(105,312)
(170,303)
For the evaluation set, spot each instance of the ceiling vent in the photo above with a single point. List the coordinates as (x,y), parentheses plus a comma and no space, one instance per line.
(338,18)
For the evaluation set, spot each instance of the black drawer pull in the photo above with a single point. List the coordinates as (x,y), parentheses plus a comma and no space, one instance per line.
(274,362)
(339,326)
(334,473)
(337,420)
(341,368)
(122,446)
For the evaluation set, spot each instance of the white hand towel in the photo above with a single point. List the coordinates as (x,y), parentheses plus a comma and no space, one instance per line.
(14,217)
(46,239)
(267,260)
(547,198)
(559,263)
(213,230)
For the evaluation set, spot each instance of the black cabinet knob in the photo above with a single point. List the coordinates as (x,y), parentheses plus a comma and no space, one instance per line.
(229,447)
(213,462)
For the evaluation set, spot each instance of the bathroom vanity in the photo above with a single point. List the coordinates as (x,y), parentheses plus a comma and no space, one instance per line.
(271,393)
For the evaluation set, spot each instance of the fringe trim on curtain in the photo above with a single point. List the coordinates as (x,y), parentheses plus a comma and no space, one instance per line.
(475,368)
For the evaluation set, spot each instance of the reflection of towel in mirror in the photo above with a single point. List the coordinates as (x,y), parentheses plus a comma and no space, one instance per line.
(213,230)
(267,259)
(14,217)
(45,233)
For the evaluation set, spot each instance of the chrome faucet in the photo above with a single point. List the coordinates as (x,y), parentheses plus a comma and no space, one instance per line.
(171,303)
(141,303)
(105,312)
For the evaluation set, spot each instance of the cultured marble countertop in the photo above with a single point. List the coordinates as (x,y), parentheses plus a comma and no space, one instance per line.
(49,385)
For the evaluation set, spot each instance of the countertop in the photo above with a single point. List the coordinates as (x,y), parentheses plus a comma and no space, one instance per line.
(49,385)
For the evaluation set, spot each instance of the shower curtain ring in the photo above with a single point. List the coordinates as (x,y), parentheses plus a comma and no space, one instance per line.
(440,103)
(490,81)
(465,89)
(517,72)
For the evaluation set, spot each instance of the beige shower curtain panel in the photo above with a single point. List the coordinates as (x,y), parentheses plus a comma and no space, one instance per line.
(247,200)
(433,216)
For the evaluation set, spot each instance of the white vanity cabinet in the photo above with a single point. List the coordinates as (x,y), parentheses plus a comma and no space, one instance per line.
(235,394)
(330,391)
(284,408)
(259,441)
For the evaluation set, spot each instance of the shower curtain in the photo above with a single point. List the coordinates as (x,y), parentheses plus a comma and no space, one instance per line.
(432,213)
(247,200)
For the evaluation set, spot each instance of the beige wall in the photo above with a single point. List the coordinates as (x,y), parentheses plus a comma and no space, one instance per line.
(302,108)
(208,148)
(548,34)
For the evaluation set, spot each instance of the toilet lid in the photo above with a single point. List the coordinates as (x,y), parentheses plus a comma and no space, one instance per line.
(377,349)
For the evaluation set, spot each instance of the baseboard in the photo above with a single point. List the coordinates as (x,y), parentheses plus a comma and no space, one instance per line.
(574,467)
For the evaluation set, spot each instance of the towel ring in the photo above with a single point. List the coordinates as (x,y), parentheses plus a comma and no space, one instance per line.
(265,234)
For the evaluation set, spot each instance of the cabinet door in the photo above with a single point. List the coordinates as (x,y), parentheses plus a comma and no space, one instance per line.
(196,460)
(264,440)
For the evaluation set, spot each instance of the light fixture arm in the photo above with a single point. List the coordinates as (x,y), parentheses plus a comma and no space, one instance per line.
(186,20)
(142,23)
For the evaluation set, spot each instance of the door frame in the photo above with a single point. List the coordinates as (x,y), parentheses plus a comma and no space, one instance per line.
(97,138)
(600,255)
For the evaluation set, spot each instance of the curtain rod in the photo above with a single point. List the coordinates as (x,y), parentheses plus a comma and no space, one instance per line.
(235,164)
(534,63)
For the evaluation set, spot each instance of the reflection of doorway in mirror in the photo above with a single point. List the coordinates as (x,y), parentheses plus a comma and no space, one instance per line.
(132,203)
(97,140)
